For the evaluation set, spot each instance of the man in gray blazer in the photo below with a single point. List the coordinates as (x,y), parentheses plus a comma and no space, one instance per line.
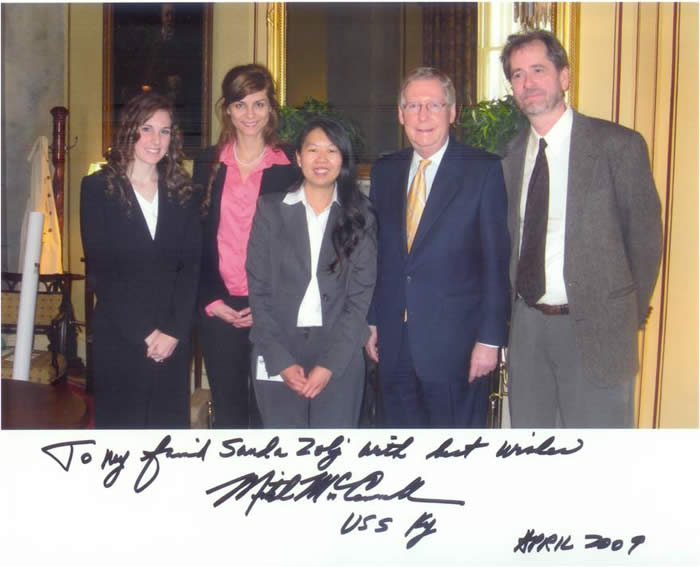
(585,225)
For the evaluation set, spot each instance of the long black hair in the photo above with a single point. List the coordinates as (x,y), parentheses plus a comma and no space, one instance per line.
(353,221)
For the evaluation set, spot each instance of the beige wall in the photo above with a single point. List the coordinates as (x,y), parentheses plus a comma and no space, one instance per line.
(639,67)
(84,81)
(678,364)
(307,58)
(233,43)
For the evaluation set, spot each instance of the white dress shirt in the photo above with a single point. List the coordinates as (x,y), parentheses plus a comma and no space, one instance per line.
(310,312)
(558,142)
(430,171)
(149,210)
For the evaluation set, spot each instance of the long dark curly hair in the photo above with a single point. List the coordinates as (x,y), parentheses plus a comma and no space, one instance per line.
(136,112)
(354,208)
(237,84)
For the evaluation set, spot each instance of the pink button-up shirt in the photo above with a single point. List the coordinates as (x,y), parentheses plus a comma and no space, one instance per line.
(238,201)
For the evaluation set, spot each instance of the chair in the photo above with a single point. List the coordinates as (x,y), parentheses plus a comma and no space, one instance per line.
(53,318)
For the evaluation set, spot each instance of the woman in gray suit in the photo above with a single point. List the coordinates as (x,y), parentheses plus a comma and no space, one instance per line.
(311,265)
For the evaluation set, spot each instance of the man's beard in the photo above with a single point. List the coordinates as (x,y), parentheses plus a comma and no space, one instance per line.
(537,107)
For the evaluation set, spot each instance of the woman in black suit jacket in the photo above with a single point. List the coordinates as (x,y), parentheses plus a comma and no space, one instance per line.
(246,162)
(142,239)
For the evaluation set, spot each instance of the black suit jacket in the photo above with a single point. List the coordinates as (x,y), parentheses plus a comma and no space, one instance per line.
(274,179)
(141,283)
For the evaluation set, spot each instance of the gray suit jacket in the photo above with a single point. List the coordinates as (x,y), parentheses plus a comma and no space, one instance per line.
(613,241)
(279,266)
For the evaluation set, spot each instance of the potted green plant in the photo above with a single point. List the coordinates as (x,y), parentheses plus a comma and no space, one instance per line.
(490,123)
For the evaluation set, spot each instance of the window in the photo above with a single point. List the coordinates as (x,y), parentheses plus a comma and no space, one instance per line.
(495,25)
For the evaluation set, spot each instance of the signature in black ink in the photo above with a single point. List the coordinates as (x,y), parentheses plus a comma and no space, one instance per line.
(268,488)
(51,451)
(442,451)
(163,448)
(545,448)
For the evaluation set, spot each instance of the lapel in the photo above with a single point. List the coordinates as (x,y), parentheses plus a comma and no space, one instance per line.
(295,230)
(217,192)
(327,253)
(391,194)
(445,187)
(136,224)
(165,210)
(513,166)
(582,156)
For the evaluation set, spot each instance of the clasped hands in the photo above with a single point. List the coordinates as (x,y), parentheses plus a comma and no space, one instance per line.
(240,319)
(160,346)
(306,386)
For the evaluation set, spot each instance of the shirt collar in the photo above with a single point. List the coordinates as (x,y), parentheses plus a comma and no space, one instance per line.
(273,156)
(299,196)
(557,136)
(435,159)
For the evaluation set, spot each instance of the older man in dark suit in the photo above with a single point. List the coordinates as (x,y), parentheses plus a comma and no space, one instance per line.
(585,225)
(440,304)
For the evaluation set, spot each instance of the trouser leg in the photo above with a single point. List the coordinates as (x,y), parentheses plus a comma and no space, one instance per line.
(226,352)
(532,390)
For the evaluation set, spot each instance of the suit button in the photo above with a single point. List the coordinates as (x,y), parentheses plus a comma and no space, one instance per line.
(325,297)
(408,279)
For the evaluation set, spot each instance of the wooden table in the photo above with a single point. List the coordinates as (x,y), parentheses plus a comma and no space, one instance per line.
(30,405)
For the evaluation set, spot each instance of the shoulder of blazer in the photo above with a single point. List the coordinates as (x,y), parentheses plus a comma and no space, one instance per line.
(269,207)
(94,187)
(271,199)
(279,178)
(516,142)
(392,161)
(463,152)
(600,131)
(94,182)
(400,156)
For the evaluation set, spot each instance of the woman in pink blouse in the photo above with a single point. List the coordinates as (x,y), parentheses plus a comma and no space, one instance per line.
(246,162)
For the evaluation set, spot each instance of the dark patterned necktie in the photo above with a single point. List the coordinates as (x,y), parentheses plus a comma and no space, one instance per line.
(530,283)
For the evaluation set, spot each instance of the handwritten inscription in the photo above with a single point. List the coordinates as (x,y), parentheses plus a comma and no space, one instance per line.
(332,481)
(533,542)
(546,448)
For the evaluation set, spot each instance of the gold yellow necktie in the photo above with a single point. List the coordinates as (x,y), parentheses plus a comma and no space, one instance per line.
(416,202)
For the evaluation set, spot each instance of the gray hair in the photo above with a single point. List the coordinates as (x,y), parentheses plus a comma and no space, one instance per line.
(555,51)
(428,73)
